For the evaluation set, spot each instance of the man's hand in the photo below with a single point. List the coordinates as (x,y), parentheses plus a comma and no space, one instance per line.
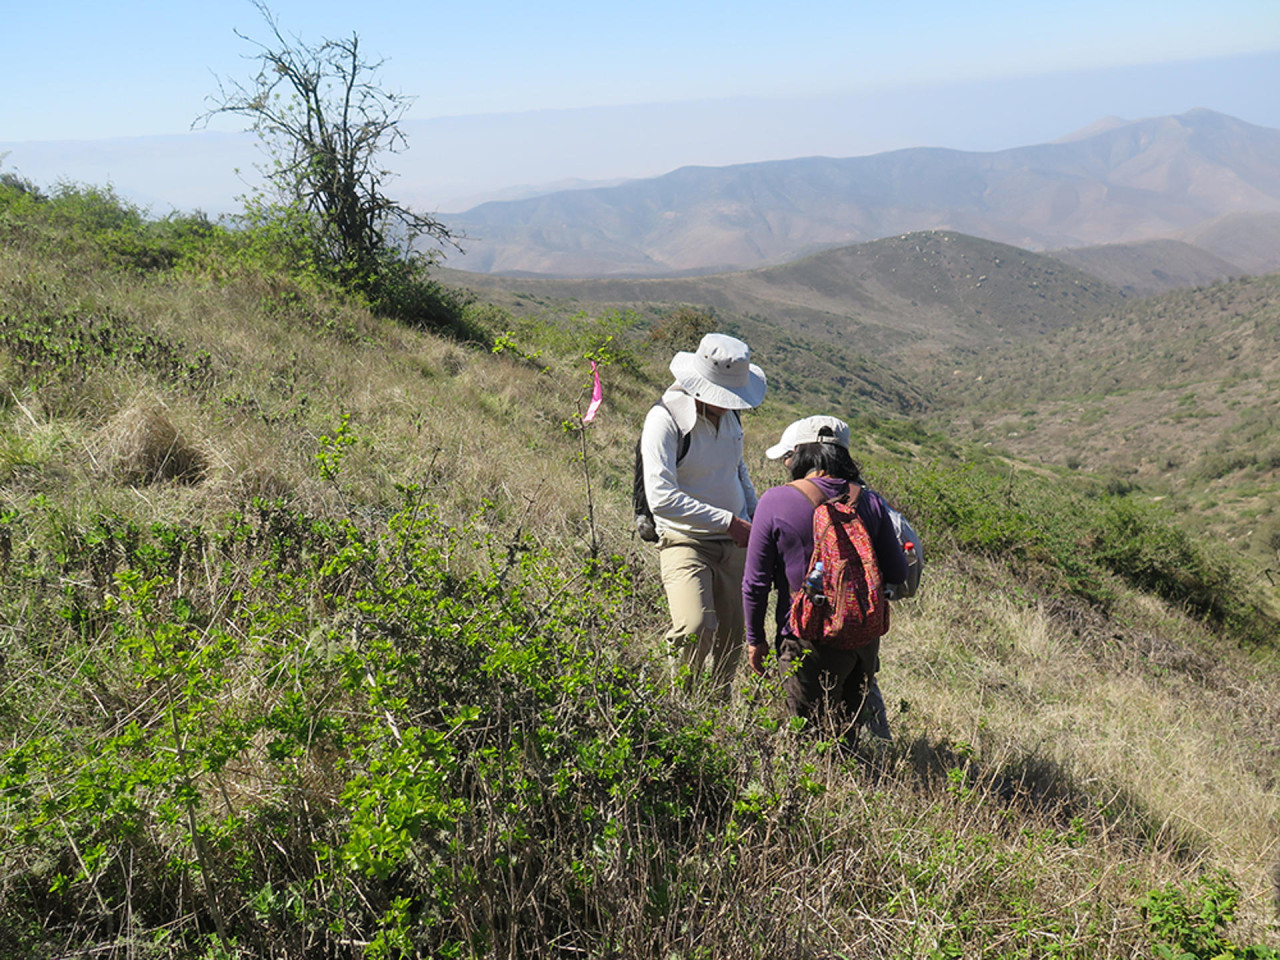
(756,654)
(739,531)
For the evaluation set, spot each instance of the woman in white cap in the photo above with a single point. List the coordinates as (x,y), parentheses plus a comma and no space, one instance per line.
(816,678)
(702,500)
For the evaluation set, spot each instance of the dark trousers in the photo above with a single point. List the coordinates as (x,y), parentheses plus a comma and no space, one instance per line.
(822,681)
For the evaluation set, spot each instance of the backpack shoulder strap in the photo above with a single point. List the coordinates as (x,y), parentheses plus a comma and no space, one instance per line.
(810,490)
(814,493)
(682,446)
(852,494)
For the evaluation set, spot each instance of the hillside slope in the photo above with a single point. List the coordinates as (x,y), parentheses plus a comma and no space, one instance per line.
(326,637)
(1181,390)
(1249,239)
(909,295)
(1142,180)
(1147,267)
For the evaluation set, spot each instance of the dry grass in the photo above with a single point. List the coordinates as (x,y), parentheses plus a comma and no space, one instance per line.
(140,446)
(286,369)
(1153,717)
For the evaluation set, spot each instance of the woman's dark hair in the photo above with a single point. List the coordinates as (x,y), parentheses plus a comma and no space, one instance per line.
(829,458)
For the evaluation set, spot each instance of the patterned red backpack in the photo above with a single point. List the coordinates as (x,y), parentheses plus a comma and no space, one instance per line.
(849,609)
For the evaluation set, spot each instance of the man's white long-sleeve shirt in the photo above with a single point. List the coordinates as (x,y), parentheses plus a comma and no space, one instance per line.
(710,486)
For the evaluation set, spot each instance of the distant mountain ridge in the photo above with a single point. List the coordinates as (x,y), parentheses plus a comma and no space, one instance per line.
(1147,179)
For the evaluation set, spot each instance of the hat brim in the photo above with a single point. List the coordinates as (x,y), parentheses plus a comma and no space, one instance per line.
(778,451)
(698,386)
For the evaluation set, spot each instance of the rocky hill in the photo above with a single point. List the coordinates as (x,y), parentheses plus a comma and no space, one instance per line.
(910,295)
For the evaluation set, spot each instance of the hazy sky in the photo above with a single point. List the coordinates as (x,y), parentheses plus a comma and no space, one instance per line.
(511,94)
(88,70)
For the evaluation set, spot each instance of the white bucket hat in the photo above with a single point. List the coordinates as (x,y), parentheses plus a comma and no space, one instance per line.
(810,430)
(721,373)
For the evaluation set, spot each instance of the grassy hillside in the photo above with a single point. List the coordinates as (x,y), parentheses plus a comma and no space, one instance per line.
(1178,392)
(325,637)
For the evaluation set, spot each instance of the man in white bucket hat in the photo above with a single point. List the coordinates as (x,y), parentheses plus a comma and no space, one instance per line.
(696,483)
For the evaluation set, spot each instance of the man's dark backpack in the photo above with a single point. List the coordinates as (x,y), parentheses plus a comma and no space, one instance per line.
(639,500)
(645,526)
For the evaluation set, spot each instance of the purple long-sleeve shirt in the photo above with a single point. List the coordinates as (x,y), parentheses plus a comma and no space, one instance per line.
(782,542)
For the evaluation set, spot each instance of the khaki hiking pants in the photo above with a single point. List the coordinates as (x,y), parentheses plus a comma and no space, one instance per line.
(703,581)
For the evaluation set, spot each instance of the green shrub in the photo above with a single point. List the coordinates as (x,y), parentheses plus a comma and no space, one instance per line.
(1048,528)
(158,244)
(1138,543)
(401,290)
(326,734)
(1190,924)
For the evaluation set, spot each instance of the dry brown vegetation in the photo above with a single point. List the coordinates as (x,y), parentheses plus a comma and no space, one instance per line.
(140,446)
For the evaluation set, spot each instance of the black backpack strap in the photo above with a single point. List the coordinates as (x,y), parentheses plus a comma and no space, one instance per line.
(638,499)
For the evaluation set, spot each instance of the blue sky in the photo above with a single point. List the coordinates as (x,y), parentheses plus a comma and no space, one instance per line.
(89,70)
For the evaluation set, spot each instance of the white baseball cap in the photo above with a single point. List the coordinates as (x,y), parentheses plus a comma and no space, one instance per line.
(817,429)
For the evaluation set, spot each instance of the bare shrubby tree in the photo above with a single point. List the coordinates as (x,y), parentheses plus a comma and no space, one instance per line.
(18,183)
(326,123)
(683,327)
